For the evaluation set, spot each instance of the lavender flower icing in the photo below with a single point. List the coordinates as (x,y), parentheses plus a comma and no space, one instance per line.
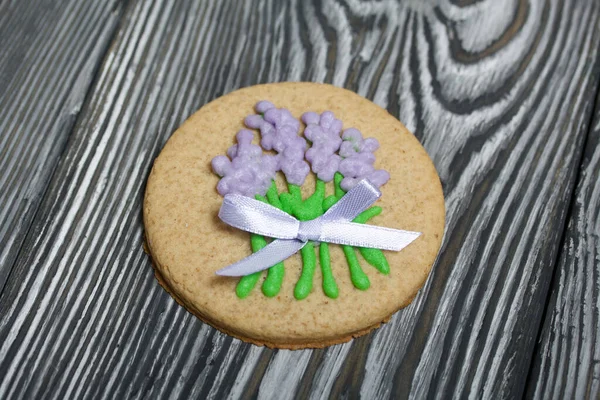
(246,170)
(279,132)
(324,133)
(358,159)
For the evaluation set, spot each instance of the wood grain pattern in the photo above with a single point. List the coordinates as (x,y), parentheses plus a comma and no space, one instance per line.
(500,93)
(567,358)
(49,54)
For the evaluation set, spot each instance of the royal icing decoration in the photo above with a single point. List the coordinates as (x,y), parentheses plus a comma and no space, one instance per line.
(253,203)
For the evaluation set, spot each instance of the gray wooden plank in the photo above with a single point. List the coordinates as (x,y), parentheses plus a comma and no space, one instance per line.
(500,93)
(49,53)
(566,362)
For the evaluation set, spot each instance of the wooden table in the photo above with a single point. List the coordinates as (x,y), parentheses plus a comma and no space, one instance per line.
(501,93)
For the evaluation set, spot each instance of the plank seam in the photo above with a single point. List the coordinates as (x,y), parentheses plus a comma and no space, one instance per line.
(85,104)
(565,225)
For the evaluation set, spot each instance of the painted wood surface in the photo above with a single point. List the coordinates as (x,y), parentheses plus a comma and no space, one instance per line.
(499,93)
(567,358)
(49,54)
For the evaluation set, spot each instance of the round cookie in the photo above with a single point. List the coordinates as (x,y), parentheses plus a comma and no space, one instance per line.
(188,243)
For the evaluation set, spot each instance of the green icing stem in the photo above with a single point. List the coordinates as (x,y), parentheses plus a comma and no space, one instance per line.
(375,257)
(247,283)
(305,210)
(337,180)
(366,215)
(329,286)
(272,285)
(357,276)
(329,201)
(273,196)
(295,193)
(312,207)
(309,263)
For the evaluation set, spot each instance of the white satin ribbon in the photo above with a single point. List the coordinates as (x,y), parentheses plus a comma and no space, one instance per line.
(334,226)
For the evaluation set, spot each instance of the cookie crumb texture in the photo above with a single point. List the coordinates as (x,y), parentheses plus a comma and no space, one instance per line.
(188,242)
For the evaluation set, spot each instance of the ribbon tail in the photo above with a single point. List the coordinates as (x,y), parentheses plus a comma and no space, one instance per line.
(371,236)
(274,252)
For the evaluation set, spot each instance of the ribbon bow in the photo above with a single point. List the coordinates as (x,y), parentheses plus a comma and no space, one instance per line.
(334,226)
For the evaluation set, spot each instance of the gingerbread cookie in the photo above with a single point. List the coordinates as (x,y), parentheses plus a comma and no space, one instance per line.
(293,215)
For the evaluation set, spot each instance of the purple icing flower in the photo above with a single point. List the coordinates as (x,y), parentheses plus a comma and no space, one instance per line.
(324,133)
(358,159)
(247,171)
(279,132)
